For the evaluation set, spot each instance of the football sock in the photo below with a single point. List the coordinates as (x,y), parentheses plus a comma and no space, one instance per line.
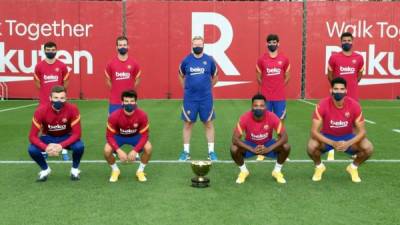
(141,167)
(186,148)
(210,147)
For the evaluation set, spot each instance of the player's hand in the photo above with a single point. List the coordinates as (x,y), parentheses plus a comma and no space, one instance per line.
(51,150)
(132,156)
(258,149)
(343,146)
(58,148)
(335,145)
(265,150)
(123,157)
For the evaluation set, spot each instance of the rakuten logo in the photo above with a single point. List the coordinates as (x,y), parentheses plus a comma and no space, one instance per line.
(381,64)
(16,60)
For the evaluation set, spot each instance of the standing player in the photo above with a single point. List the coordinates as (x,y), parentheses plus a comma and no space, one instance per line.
(273,74)
(258,126)
(198,74)
(48,73)
(128,125)
(348,65)
(122,73)
(59,126)
(343,129)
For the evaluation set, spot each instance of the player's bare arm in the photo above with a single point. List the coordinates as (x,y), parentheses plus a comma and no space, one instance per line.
(236,140)
(108,80)
(258,75)
(316,134)
(287,75)
(138,79)
(330,73)
(281,140)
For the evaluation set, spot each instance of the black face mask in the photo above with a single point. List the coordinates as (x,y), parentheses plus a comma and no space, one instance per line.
(50,55)
(129,107)
(346,47)
(57,105)
(258,113)
(272,48)
(123,51)
(338,96)
(198,50)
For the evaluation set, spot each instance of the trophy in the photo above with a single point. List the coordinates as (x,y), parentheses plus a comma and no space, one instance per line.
(200,168)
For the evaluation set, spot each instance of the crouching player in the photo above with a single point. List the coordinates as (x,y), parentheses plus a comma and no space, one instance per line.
(258,125)
(343,129)
(128,125)
(58,123)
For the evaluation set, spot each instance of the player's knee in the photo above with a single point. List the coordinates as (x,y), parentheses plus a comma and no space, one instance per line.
(286,147)
(312,146)
(187,125)
(369,149)
(107,149)
(208,124)
(148,148)
(234,149)
(78,147)
(33,150)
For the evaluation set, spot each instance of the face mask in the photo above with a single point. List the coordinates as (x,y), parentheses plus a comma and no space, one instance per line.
(122,51)
(346,47)
(258,112)
(50,55)
(129,107)
(197,50)
(57,104)
(272,48)
(338,96)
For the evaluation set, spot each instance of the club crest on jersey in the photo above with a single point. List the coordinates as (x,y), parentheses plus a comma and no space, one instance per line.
(64,120)
(57,69)
(280,62)
(347,114)
(135,125)
(266,127)
(354,61)
(129,67)
(205,62)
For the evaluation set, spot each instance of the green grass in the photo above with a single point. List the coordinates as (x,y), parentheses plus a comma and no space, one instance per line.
(167,197)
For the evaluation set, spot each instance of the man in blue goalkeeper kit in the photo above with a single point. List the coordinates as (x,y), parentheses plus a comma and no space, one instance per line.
(198,74)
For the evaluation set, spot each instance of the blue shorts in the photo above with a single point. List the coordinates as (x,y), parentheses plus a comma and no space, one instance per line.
(114,107)
(53,139)
(132,141)
(339,138)
(271,154)
(204,109)
(277,107)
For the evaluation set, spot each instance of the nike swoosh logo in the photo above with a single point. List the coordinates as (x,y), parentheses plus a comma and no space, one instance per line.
(230,83)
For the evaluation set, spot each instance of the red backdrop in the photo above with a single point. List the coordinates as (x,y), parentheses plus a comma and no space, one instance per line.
(160,37)
(369,22)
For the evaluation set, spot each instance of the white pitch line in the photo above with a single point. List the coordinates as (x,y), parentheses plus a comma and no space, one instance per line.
(396,130)
(19,107)
(311,103)
(188,162)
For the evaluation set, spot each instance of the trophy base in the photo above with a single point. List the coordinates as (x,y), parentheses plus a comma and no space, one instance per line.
(200,182)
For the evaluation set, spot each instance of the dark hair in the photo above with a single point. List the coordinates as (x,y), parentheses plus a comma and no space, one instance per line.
(58,89)
(258,97)
(338,80)
(129,94)
(121,38)
(49,44)
(272,37)
(346,34)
